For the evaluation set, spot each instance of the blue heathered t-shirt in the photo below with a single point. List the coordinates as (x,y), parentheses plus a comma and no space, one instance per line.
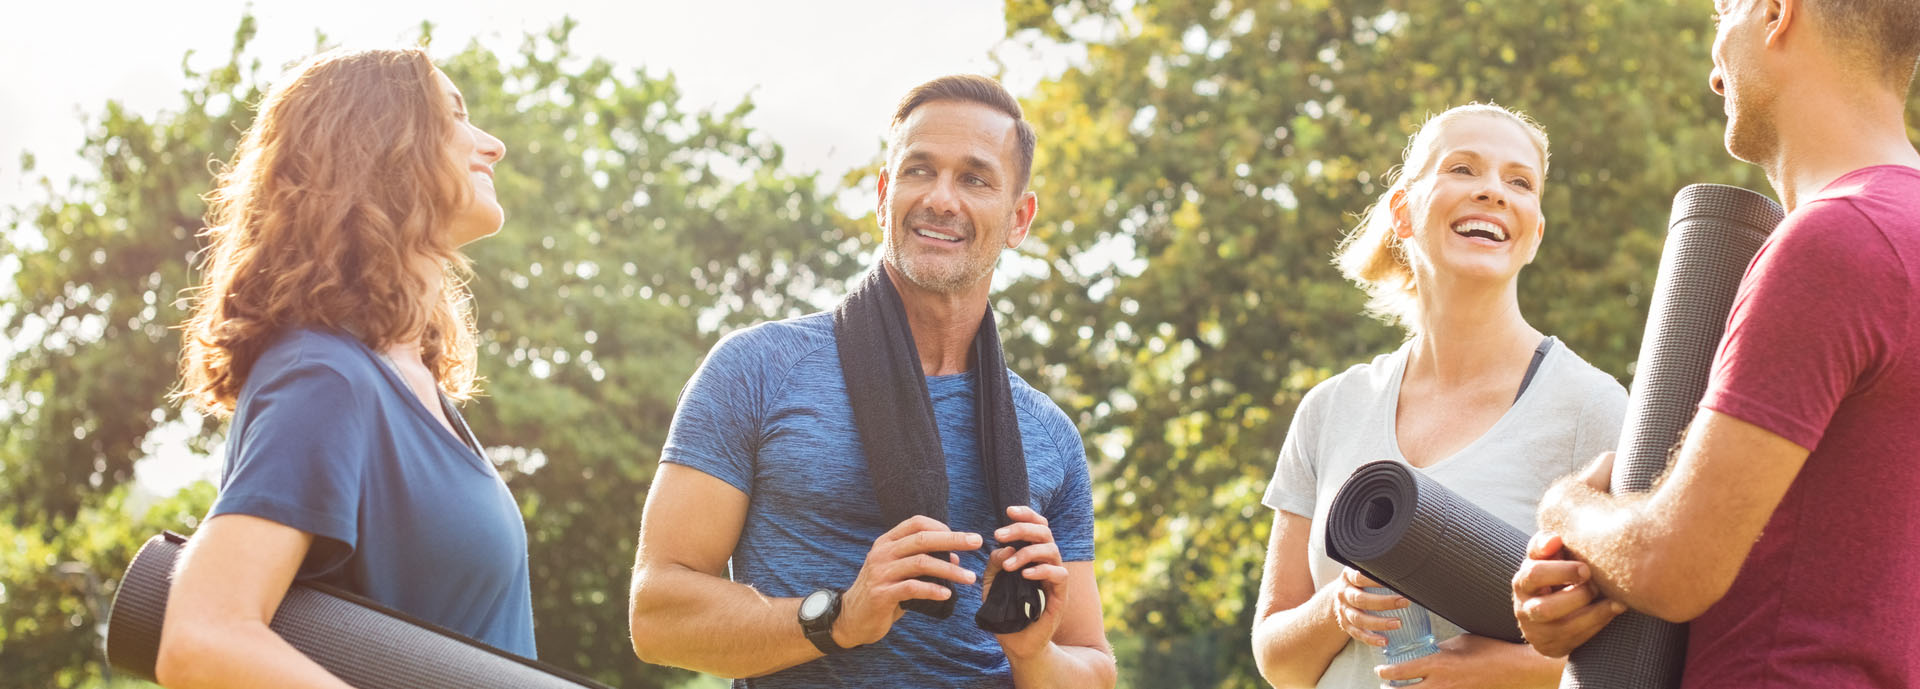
(768,413)
(327,439)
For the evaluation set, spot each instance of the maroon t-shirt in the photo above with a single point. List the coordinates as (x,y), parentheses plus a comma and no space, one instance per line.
(1823,349)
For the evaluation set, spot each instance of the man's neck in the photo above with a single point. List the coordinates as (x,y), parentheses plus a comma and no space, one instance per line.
(943,324)
(1830,128)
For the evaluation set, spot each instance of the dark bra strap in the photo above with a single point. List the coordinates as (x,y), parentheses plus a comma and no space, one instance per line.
(1539,354)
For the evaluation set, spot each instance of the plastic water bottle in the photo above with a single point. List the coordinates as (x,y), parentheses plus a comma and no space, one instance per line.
(1414,638)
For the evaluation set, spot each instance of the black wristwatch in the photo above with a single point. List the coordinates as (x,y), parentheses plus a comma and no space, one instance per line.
(817,613)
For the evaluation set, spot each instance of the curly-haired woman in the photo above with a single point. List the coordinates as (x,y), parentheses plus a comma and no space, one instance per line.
(333,327)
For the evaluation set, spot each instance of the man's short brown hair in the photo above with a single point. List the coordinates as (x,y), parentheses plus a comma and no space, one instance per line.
(974,88)
(1884,33)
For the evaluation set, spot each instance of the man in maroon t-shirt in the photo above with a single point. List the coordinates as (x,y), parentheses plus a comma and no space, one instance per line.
(1786,529)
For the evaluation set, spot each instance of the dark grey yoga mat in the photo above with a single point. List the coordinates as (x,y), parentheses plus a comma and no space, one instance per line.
(1419,538)
(1712,236)
(362,643)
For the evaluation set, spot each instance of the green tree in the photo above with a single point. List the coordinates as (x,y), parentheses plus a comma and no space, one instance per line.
(1195,171)
(637,233)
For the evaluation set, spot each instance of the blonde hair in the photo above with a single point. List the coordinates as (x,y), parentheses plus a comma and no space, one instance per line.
(1371,255)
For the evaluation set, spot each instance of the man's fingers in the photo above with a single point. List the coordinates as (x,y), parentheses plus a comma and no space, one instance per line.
(909,526)
(1023,531)
(1052,574)
(1561,637)
(932,542)
(912,589)
(925,566)
(1545,545)
(1538,575)
(1023,513)
(1558,604)
(1040,553)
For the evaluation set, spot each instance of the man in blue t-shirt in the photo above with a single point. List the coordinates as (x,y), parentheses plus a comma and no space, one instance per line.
(764,464)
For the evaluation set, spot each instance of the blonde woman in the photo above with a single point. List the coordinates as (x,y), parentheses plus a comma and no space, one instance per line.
(1477,399)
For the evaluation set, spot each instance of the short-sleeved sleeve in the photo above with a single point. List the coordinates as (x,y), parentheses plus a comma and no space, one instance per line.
(1820,308)
(1601,416)
(1070,512)
(718,424)
(296,456)
(1295,478)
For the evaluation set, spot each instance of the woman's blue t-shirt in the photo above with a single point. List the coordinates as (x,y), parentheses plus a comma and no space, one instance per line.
(328,439)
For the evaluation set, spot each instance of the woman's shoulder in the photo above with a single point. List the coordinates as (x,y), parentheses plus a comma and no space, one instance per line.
(1583,379)
(1361,383)
(316,359)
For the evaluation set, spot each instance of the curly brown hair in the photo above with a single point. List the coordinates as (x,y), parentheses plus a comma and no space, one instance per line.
(334,204)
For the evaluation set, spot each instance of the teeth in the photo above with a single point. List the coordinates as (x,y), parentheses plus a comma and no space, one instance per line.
(1483,226)
(937,235)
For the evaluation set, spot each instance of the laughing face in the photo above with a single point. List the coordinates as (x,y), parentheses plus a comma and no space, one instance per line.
(949,200)
(1475,214)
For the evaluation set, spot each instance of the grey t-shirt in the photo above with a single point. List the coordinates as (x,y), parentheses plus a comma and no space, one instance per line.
(1568,415)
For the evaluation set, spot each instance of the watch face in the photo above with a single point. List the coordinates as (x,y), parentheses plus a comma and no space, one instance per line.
(814,605)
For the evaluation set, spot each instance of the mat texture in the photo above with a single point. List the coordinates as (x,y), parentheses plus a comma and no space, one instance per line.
(1712,236)
(359,641)
(1419,538)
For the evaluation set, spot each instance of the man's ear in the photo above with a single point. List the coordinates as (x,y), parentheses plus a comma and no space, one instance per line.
(880,192)
(1781,16)
(1024,212)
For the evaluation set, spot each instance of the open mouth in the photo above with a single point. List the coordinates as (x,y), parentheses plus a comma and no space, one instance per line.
(1481,229)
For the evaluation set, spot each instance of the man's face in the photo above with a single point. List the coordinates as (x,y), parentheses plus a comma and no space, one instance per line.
(1739,76)
(950,199)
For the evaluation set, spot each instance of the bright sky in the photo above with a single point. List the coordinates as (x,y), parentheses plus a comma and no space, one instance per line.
(823,74)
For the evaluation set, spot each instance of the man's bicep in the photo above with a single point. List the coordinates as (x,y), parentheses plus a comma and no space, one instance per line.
(1729,477)
(692,519)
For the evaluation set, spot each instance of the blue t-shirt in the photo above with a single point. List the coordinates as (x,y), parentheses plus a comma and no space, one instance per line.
(328,439)
(768,413)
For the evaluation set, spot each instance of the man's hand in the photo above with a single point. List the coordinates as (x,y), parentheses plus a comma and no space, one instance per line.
(1554,598)
(890,576)
(1030,527)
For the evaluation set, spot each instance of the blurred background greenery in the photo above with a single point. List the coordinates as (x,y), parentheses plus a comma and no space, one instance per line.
(1195,169)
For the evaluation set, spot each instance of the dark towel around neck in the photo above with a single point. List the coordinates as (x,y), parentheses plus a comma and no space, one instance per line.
(898,432)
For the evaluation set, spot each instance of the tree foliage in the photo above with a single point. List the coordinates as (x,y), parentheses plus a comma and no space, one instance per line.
(1195,173)
(637,232)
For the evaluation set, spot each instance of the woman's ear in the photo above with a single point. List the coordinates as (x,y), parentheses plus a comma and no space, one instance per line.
(1402,215)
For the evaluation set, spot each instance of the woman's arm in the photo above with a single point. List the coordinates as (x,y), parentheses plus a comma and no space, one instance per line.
(1296,629)
(1476,662)
(228,584)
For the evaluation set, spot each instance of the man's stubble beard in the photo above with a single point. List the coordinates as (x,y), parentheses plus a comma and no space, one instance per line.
(951,278)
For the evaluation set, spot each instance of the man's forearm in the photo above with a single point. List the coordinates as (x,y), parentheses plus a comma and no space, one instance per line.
(1612,533)
(689,619)
(1065,666)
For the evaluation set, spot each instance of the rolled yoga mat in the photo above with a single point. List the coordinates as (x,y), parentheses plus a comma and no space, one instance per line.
(1419,538)
(1712,236)
(359,641)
